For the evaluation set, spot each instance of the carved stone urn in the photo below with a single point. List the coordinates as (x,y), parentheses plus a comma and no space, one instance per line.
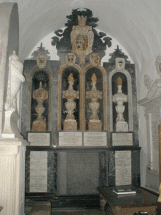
(120,98)
(70,94)
(94,94)
(40,95)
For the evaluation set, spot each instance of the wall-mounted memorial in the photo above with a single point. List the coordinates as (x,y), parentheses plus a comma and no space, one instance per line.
(152,104)
(79,116)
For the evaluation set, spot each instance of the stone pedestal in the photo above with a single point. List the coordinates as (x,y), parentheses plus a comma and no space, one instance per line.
(121,126)
(12,176)
(95,125)
(10,126)
(39,126)
(70,125)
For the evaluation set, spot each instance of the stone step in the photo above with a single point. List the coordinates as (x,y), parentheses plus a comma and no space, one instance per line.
(41,208)
(81,201)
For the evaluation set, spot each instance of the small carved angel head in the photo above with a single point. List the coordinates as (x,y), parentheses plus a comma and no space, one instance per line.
(120,63)
(94,59)
(158,65)
(70,58)
(41,61)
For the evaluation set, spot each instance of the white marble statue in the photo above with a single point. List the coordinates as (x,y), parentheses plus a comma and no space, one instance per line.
(16,78)
(120,98)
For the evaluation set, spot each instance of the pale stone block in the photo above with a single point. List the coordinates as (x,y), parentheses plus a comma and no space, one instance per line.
(12,176)
(70,138)
(95,125)
(41,208)
(70,125)
(121,126)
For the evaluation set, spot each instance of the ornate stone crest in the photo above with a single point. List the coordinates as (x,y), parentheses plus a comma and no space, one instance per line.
(120,64)
(41,61)
(158,65)
(82,38)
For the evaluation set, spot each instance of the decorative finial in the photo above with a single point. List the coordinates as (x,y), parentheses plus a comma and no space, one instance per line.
(40,86)
(119,81)
(70,78)
(94,78)
(82,20)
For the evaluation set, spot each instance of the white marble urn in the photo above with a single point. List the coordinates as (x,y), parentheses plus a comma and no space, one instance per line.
(119,98)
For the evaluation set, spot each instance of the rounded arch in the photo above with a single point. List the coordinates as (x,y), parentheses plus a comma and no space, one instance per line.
(59,108)
(33,71)
(105,113)
(129,88)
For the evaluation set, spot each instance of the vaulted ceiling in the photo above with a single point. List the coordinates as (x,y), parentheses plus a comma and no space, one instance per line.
(135,24)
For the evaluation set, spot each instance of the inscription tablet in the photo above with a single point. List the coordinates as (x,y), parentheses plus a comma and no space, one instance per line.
(39,139)
(70,138)
(122,139)
(95,139)
(38,171)
(122,168)
(154,145)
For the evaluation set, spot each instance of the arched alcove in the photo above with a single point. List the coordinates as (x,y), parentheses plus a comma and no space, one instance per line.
(128,90)
(40,77)
(63,75)
(76,86)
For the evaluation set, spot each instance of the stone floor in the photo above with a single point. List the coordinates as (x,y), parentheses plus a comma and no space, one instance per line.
(71,212)
(78,212)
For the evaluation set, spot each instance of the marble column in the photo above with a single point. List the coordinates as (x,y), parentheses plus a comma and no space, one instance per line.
(12,176)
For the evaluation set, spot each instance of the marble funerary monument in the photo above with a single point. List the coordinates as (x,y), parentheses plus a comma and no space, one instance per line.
(71,125)
(78,116)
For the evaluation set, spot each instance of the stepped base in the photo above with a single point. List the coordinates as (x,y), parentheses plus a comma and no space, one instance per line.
(41,208)
(65,202)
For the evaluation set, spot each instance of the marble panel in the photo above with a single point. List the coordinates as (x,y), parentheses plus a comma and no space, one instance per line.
(122,167)
(27,171)
(122,139)
(39,139)
(52,172)
(95,139)
(38,171)
(111,168)
(82,173)
(70,138)
(103,179)
(155,141)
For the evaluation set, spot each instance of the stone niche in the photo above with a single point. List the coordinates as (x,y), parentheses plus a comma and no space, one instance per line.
(152,107)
